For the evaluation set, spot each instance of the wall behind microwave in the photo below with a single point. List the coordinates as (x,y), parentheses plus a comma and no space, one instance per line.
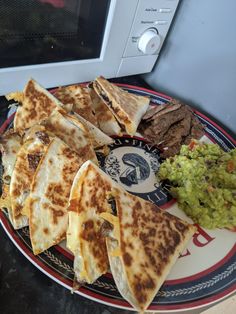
(197,64)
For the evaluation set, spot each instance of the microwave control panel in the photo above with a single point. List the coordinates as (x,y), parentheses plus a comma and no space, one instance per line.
(150,26)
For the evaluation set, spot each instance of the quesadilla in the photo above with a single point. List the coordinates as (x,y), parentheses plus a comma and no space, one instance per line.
(80,100)
(49,195)
(27,160)
(144,245)
(10,144)
(76,136)
(85,238)
(98,138)
(36,104)
(106,121)
(127,108)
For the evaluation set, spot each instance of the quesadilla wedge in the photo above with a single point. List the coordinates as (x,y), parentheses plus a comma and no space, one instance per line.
(79,97)
(85,234)
(127,108)
(144,245)
(106,121)
(36,104)
(49,195)
(76,136)
(27,160)
(98,138)
(10,144)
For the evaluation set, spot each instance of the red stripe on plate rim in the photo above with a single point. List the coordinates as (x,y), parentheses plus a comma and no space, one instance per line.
(204,272)
(6,123)
(196,304)
(210,137)
(173,281)
(217,126)
(64,252)
(145,90)
(98,297)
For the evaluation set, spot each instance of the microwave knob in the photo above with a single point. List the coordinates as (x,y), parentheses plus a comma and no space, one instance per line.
(149,42)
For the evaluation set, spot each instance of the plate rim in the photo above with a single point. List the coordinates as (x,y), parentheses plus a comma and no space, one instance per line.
(89,294)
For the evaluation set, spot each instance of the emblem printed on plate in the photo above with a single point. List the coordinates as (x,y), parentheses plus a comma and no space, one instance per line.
(133,164)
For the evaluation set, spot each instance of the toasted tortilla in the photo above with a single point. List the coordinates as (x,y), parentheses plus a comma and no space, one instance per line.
(143,247)
(98,138)
(49,195)
(32,132)
(76,136)
(85,234)
(79,98)
(127,108)
(27,160)
(36,105)
(10,143)
(106,121)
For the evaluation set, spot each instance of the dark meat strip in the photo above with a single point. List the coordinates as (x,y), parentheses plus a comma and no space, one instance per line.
(153,110)
(171,127)
(197,129)
(196,132)
(174,136)
(161,124)
(171,108)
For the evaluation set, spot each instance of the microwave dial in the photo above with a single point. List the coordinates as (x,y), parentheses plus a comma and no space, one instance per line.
(149,42)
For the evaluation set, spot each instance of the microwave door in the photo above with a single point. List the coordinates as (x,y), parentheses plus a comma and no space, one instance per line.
(62,42)
(49,31)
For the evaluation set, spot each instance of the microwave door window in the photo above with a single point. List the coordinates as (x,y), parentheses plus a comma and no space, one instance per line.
(46,31)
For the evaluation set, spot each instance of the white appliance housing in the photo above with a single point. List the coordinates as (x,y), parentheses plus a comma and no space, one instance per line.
(134,33)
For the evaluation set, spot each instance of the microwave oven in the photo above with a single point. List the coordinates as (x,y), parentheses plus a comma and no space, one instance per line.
(61,42)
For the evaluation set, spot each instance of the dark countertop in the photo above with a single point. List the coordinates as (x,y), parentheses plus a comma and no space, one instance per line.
(24,288)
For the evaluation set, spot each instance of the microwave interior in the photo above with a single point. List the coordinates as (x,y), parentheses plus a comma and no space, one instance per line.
(47,31)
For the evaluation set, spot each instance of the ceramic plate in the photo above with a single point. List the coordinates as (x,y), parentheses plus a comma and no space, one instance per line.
(203,274)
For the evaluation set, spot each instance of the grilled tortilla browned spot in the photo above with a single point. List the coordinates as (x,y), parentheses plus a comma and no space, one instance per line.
(143,247)
(80,99)
(77,137)
(98,138)
(126,107)
(27,160)
(49,196)
(85,236)
(38,131)
(36,105)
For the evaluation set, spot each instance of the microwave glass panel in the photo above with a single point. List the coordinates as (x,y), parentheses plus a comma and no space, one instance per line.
(46,31)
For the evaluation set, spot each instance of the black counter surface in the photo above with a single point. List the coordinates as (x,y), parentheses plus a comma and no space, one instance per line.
(25,289)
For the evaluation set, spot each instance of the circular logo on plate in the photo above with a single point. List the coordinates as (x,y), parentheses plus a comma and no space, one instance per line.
(134,164)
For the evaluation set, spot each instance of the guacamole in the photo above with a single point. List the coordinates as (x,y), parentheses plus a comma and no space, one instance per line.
(203,179)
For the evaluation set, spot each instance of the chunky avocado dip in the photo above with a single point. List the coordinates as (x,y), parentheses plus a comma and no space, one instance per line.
(204,183)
